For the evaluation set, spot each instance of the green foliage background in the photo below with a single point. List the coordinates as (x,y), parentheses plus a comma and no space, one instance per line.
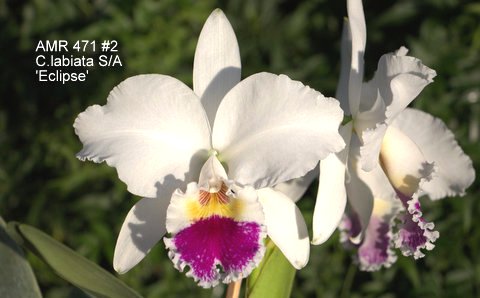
(84,204)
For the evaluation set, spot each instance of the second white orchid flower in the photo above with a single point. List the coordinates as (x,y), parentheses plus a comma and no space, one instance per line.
(393,156)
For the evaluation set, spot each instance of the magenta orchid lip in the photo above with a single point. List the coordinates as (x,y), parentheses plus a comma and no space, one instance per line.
(217,249)
(415,232)
(217,228)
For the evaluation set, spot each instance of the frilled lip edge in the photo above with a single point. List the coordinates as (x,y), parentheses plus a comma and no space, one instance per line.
(408,238)
(371,254)
(408,231)
(176,257)
(381,255)
(413,233)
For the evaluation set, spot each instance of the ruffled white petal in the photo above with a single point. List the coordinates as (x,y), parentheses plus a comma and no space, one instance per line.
(397,82)
(358,31)
(399,79)
(143,227)
(217,66)
(407,86)
(270,129)
(331,196)
(153,130)
(453,169)
(285,226)
(403,162)
(296,188)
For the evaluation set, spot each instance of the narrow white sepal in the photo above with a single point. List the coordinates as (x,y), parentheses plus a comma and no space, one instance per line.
(143,227)
(217,66)
(332,196)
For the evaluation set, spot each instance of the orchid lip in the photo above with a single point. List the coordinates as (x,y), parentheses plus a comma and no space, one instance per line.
(415,233)
(213,230)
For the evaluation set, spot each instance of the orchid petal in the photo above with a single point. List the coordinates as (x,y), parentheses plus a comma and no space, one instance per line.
(296,188)
(358,30)
(409,77)
(453,169)
(217,66)
(143,227)
(285,226)
(403,162)
(345,66)
(153,130)
(270,129)
(398,80)
(332,196)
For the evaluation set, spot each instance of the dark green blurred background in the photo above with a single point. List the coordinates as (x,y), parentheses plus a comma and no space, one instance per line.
(83,204)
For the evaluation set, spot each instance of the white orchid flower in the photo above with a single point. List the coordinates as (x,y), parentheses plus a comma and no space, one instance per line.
(204,159)
(393,156)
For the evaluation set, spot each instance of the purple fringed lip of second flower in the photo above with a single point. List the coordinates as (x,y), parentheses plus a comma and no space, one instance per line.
(410,232)
(217,248)
(375,252)
(415,233)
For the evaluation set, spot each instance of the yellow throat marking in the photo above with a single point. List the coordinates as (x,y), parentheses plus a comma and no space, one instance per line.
(213,203)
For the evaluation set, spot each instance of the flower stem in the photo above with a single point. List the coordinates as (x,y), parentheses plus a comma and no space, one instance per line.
(233,290)
(348,281)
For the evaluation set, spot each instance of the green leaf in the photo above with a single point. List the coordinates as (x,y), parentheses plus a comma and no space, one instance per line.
(273,277)
(71,266)
(16,275)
